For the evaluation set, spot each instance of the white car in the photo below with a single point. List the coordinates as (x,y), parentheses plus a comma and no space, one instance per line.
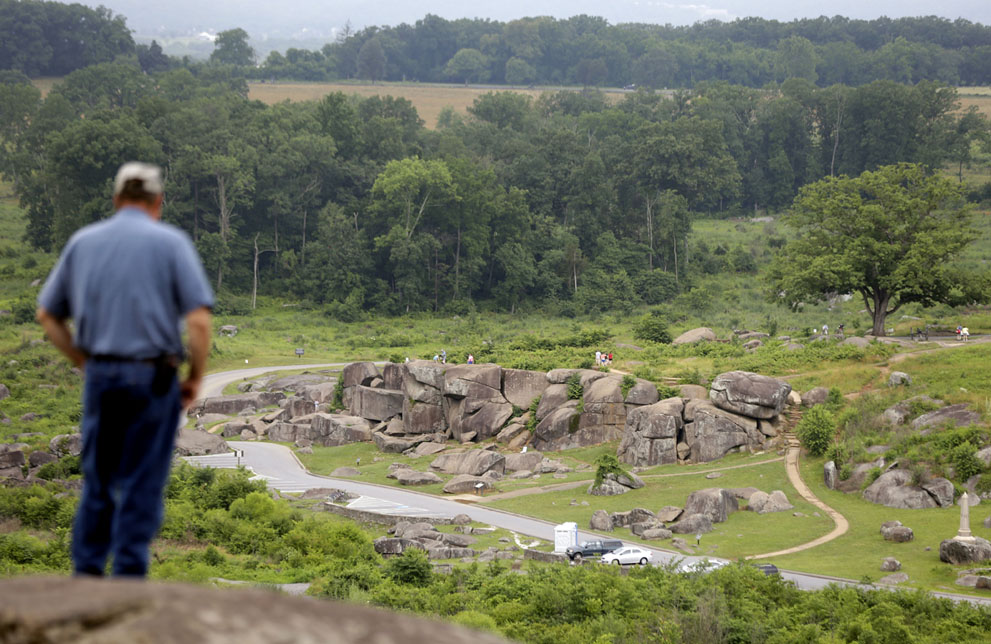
(627,555)
(700,566)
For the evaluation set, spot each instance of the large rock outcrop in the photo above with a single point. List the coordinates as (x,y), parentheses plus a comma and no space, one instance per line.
(233,405)
(749,394)
(475,462)
(651,435)
(894,489)
(701,334)
(521,387)
(956,551)
(62,610)
(715,503)
(192,442)
(714,431)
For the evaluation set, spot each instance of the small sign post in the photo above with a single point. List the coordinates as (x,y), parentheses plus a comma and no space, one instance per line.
(299,353)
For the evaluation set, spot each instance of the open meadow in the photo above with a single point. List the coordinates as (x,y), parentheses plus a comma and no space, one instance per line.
(428,99)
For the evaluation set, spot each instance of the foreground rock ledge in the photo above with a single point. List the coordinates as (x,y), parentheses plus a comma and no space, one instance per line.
(58,609)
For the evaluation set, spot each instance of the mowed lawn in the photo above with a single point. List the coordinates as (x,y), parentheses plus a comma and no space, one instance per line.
(428,100)
(858,554)
(745,533)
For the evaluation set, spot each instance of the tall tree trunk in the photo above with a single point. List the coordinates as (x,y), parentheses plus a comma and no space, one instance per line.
(302,249)
(196,211)
(457,264)
(254,277)
(436,279)
(650,232)
(674,245)
(836,138)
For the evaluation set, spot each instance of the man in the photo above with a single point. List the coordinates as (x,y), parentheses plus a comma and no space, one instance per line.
(127,283)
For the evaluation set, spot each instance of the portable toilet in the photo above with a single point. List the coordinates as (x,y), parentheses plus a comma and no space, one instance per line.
(565,536)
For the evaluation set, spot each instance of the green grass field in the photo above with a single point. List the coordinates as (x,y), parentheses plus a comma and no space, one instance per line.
(859,552)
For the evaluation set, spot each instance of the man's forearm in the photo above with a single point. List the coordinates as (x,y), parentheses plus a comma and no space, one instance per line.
(60,336)
(198,326)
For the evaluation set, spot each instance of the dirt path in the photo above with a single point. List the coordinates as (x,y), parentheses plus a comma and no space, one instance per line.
(794,475)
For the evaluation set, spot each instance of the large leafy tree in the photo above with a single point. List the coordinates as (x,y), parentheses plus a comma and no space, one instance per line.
(889,235)
(231,48)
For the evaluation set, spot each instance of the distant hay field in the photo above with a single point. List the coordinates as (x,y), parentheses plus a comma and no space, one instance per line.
(983,103)
(428,100)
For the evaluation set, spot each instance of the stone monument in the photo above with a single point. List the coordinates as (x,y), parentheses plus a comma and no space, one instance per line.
(964,534)
(965,547)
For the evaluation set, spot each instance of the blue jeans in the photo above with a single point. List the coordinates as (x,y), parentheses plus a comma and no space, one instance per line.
(129,426)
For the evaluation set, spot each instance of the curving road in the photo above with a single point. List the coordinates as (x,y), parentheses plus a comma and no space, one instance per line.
(282,471)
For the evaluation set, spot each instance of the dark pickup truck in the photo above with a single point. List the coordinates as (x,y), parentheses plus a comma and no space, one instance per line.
(590,548)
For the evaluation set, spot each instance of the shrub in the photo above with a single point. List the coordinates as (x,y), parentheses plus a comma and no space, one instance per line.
(60,469)
(965,461)
(628,383)
(652,328)
(575,388)
(838,453)
(411,567)
(337,402)
(816,430)
(607,464)
(476,620)
(531,423)
(664,392)
(846,472)
(212,556)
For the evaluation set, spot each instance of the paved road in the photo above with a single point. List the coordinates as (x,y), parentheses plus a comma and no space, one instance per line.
(213,384)
(282,471)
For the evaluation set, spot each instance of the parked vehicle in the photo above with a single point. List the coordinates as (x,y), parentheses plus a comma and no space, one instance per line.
(627,556)
(768,569)
(700,566)
(593,548)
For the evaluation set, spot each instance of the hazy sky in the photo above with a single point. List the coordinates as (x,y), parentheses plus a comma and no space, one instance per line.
(314,18)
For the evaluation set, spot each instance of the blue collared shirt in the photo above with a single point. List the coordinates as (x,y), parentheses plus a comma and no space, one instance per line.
(127,282)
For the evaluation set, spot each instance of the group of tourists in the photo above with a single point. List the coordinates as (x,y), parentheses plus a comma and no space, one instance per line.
(963,333)
(602,359)
(825,330)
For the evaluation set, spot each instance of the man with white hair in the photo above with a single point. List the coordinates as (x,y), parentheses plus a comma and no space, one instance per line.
(128,282)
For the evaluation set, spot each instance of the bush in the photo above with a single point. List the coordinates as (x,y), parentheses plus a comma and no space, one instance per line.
(846,472)
(652,328)
(531,423)
(411,567)
(60,469)
(965,461)
(575,388)
(628,383)
(664,392)
(816,430)
(607,464)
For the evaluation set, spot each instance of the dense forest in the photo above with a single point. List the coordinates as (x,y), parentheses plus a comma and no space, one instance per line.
(571,202)
(51,39)
(569,199)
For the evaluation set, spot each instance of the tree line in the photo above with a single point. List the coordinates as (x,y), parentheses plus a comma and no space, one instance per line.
(569,200)
(588,51)
(41,38)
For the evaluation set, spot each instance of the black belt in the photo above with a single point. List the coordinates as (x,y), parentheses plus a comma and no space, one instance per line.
(166,359)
